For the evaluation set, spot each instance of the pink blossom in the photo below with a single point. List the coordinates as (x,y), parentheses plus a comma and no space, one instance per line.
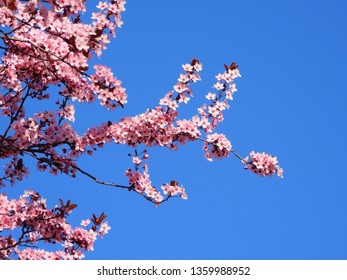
(102,5)
(211,96)
(104,228)
(68,112)
(195,77)
(263,164)
(85,222)
(198,66)
(180,87)
(216,146)
(183,98)
(218,86)
(173,189)
(136,160)
(184,78)
(187,67)
(220,77)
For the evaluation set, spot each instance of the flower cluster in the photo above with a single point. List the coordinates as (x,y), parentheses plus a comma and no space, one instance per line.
(263,164)
(108,88)
(53,47)
(141,183)
(38,223)
(67,112)
(217,145)
(173,189)
(15,170)
(212,114)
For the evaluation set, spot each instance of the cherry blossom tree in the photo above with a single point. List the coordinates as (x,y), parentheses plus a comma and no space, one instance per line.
(46,52)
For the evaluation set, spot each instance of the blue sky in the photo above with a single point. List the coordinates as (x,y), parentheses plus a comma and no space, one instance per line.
(291,102)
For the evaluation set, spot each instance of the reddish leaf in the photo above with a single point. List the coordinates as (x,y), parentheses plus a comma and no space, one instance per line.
(174,183)
(12,5)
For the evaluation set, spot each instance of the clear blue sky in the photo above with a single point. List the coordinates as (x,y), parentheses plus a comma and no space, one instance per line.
(291,102)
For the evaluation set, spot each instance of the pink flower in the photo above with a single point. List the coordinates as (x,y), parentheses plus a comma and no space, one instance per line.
(263,165)
(68,112)
(195,77)
(104,228)
(183,98)
(180,87)
(211,96)
(136,160)
(198,66)
(183,78)
(220,77)
(218,86)
(187,67)
(85,222)
(216,146)
(102,5)
(173,189)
